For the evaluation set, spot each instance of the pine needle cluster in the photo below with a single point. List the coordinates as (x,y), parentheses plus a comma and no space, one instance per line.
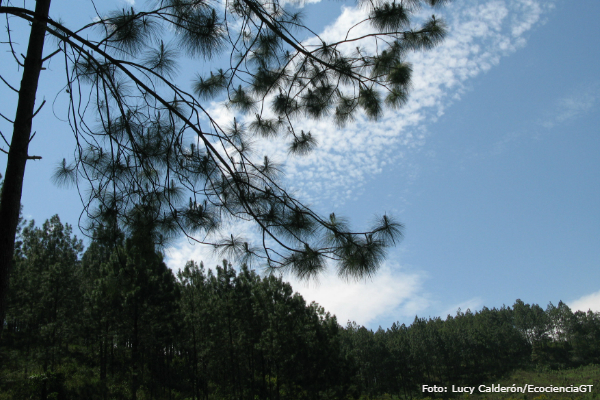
(148,151)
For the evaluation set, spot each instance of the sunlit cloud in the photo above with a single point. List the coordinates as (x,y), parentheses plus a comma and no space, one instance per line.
(587,302)
(392,293)
(188,249)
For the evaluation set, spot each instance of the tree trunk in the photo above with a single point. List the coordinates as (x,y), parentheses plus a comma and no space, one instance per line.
(104,359)
(10,200)
(135,354)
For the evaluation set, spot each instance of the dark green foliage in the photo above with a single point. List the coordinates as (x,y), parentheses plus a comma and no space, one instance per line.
(63,175)
(431,34)
(252,337)
(302,144)
(200,30)
(264,127)
(344,112)
(531,321)
(317,102)
(211,86)
(396,98)
(241,101)
(399,74)
(468,349)
(119,325)
(162,60)
(131,303)
(544,377)
(285,105)
(42,318)
(390,17)
(44,292)
(369,100)
(265,81)
(306,265)
(128,30)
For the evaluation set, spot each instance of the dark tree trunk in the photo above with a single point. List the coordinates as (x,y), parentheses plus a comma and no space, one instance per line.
(10,200)
(135,355)
(104,360)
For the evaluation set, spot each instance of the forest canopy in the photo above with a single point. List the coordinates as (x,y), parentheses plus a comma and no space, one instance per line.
(114,322)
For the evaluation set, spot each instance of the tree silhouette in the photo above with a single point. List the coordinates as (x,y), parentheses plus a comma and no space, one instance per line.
(145,146)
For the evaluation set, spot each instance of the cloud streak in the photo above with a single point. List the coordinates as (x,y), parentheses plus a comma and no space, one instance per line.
(573,106)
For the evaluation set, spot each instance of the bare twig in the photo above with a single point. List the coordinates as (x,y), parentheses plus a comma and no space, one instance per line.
(51,55)
(10,42)
(9,120)
(5,141)
(8,84)
(38,110)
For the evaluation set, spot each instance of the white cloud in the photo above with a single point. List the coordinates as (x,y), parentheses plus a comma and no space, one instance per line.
(392,293)
(585,303)
(298,3)
(481,33)
(187,249)
(573,106)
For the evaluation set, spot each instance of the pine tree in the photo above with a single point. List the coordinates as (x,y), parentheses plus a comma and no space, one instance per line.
(41,318)
(158,148)
(130,309)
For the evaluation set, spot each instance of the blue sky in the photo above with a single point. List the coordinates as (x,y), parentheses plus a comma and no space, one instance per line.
(493,166)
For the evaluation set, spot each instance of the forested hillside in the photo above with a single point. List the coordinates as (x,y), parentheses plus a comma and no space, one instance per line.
(114,322)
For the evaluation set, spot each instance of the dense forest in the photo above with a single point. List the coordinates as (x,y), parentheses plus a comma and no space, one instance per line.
(114,322)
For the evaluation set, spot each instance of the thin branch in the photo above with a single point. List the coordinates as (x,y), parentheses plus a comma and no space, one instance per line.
(9,120)
(51,55)
(8,84)
(5,141)
(38,110)
(10,42)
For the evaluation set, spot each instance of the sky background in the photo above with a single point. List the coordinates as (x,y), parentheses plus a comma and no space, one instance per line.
(493,166)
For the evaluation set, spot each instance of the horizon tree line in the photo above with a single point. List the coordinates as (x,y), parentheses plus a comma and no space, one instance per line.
(114,322)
